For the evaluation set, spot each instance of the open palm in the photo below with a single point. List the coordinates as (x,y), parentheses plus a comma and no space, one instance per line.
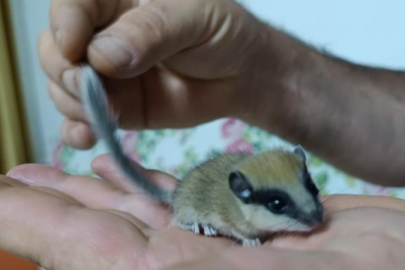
(74,222)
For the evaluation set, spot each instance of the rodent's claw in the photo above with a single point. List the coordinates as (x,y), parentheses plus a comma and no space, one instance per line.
(207,230)
(210,231)
(191,227)
(251,242)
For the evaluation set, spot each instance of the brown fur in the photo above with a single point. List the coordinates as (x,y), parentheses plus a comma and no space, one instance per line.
(280,166)
(204,195)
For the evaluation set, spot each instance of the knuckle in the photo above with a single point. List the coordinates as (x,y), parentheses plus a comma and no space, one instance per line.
(152,21)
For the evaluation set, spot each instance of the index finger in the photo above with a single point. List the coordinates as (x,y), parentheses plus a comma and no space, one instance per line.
(73,22)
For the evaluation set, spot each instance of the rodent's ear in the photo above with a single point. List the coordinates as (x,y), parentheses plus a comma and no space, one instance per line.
(299,151)
(240,186)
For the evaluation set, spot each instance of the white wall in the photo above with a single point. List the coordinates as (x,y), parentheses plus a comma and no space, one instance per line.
(30,18)
(367,31)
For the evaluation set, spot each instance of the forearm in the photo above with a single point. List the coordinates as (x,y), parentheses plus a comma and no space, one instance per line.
(352,116)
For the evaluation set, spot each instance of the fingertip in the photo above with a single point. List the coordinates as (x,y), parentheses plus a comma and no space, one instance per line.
(113,57)
(20,170)
(131,45)
(104,167)
(162,179)
(71,35)
(35,174)
(101,163)
(105,164)
(101,160)
(78,134)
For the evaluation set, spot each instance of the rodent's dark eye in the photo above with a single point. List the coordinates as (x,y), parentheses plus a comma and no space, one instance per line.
(277,205)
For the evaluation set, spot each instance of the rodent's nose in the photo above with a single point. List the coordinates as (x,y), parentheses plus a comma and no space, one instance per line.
(313,218)
(317,215)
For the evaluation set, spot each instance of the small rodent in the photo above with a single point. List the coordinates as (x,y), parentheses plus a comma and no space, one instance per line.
(243,196)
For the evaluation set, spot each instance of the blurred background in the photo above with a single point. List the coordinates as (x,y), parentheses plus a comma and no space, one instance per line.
(365,31)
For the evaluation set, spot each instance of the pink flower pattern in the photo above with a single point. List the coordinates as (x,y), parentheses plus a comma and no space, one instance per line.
(129,141)
(232,130)
(239,145)
(382,191)
(56,155)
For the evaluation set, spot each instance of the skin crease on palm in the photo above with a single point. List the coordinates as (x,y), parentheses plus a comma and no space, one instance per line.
(77,222)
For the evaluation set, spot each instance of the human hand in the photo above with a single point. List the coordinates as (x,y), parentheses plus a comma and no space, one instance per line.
(73,222)
(365,232)
(59,221)
(167,63)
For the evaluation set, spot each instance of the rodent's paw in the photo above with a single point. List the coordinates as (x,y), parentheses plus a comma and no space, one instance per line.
(251,242)
(194,227)
(209,230)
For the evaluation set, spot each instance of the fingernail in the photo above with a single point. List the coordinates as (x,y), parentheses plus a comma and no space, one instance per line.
(16,174)
(118,51)
(69,78)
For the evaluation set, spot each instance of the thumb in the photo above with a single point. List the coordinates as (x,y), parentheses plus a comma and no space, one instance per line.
(146,35)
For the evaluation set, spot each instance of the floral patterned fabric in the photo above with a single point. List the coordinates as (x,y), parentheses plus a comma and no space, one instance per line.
(177,151)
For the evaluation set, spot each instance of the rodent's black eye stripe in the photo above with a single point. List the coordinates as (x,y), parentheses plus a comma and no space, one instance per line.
(309,183)
(264,197)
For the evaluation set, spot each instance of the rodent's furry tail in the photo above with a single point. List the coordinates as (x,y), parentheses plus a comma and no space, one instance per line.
(101,118)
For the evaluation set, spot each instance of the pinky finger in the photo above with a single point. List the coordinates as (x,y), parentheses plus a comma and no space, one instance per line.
(77,134)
